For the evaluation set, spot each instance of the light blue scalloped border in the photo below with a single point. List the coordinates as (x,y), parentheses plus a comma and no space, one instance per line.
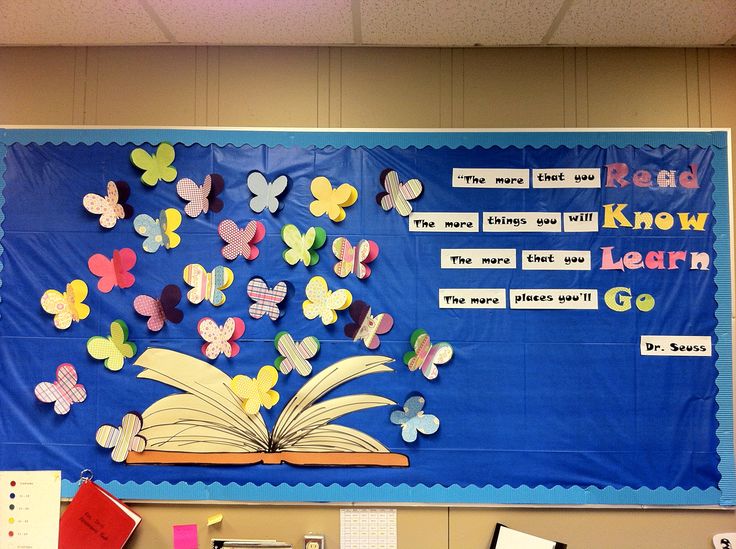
(725,495)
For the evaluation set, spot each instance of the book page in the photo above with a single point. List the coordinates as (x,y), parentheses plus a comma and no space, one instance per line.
(30,509)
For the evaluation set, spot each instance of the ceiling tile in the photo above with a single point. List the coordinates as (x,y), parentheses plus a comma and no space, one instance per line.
(456,23)
(76,22)
(257,22)
(645,23)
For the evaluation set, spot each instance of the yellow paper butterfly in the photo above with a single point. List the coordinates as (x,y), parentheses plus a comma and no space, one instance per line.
(323,302)
(257,392)
(156,166)
(331,201)
(66,307)
(113,349)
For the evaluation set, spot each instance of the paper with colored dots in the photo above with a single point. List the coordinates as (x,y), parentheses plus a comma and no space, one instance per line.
(29,516)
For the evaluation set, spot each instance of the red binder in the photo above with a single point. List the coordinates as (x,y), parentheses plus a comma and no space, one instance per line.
(95,519)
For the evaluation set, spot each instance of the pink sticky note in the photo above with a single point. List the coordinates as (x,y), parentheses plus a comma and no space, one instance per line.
(185,536)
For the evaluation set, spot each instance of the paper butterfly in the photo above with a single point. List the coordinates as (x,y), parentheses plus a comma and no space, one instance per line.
(123,439)
(66,307)
(113,272)
(112,207)
(322,302)
(257,392)
(220,339)
(425,355)
(265,194)
(397,194)
(266,299)
(367,327)
(156,166)
(159,232)
(354,259)
(302,247)
(201,198)
(412,419)
(207,286)
(162,309)
(331,201)
(241,241)
(294,356)
(113,349)
(63,392)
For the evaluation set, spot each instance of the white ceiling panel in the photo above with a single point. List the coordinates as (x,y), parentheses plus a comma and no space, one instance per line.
(456,23)
(647,23)
(75,22)
(256,22)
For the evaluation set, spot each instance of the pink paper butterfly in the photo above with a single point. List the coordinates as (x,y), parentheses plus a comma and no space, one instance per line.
(367,327)
(162,309)
(220,339)
(354,259)
(64,392)
(201,198)
(266,299)
(113,272)
(241,241)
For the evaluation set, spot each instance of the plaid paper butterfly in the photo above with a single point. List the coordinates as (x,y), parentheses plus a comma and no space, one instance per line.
(426,356)
(397,194)
(266,299)
(207,286)
(201,198)
(220,339)
(295,356)
(123,439)
(162,309)
(354,259)
(365,326)
(413,420)
(241,241)
(63,392)
(111,207)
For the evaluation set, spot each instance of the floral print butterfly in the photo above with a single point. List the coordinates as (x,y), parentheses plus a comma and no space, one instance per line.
(66,307)
(162,309)
(220,339)
(112,349)
(425,356)
(366,327)
(266,299)
(207,286)
(295,356)
(323,302)
(113,271)
(354,259)
(201,198)
(159,232)
(413,420)
(396,194)
(257,392)
(330,201)
(123,439)
(63,392)
(302,247)
(111,207)
(156,167)
(241,241)
(266,194)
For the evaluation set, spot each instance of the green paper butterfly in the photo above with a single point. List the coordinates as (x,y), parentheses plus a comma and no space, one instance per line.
(156,166)
(113,349)
(302,247)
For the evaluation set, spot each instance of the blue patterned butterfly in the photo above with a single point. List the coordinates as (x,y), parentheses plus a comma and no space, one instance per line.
(413,419)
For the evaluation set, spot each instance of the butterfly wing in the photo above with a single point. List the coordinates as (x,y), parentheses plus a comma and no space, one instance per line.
(101,266)
(277,188)
(345,252)
(322,191)
(196,276)
(215,342)
(103,348)
(170,298)
(124,260)
(298,245)
(259,186)
(316,291)
(144,161)
(247,390)
(217,185)
(170,220)
(266,379)
(119,336)
(76,293)
(336,301)
(358,311)
(164,158)
(221,278)
(147,306)
(427,424)
(195,195)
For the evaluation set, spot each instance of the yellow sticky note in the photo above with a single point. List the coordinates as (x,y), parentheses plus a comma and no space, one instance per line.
(214,519)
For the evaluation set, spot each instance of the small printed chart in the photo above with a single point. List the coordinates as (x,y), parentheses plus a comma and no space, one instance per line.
(368,529)
(30,509)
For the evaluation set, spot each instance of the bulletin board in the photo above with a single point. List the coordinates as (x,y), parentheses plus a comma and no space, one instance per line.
(455,317)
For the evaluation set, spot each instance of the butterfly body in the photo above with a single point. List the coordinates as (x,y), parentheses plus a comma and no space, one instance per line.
(413,420)
(159,232)
(112,349)
(322,302)
(302,247)
(207,286)
(330,201)
(257,392)
(426,356)
(266,194)
(220,339)
(295,356)
(241,242)
(266,299)
(156,167)
(354,259)
(111,207)
(201,198)
(67,307)
(396,194)
(64,391)
(113,271)
(365,326)
(162,309)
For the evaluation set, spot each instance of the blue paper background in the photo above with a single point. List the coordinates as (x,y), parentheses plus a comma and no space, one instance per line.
(535,398)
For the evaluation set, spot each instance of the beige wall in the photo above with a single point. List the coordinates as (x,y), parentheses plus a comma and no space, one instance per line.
(356,87)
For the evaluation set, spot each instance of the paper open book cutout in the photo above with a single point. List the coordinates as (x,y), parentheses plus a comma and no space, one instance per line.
(206,422)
